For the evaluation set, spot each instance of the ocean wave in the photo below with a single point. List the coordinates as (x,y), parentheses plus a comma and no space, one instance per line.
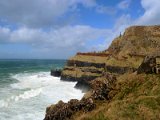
(51,86)
(37,91)
(33,80)
(26,95)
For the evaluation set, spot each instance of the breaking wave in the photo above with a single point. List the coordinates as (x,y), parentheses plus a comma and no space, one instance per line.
(34,92)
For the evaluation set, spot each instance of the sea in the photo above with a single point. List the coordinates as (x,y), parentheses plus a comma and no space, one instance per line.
(27,88)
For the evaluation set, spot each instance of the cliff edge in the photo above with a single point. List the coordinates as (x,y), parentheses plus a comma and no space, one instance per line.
(114,89)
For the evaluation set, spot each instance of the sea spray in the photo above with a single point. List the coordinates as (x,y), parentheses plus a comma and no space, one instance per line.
(25,95)
(26,91)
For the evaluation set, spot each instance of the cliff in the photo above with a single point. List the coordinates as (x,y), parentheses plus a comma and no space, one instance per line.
(116,91)
(124,55)
(139,40)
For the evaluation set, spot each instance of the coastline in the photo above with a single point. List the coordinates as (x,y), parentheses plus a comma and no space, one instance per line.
(107,73)
(26,86)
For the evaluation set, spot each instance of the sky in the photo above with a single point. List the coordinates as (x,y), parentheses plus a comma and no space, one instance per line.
(57,29)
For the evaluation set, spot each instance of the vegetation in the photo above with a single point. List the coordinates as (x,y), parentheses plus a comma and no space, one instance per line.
(136,97)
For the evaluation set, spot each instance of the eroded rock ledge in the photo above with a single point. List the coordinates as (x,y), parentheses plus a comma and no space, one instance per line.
(84,72)
(99,71)
(102,88)
(100,91)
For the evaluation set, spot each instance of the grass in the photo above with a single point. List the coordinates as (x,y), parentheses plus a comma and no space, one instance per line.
(92,59)
(129,62)
(99,116)
(78,73)
(137,98)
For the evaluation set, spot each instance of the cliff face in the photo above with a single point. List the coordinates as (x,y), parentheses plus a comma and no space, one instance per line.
(99,91)
(138,40)
(110,76)
(124,55)
(83,68)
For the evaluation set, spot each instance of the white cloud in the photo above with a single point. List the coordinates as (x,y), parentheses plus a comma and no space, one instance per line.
(66,39)
(38,13)
(122,22)
(151,15)
(113,10)
(88,3)
(124,4)
(4,34)
(33,15)
(106,10)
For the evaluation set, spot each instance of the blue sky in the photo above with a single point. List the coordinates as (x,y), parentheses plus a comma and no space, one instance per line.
(48,29)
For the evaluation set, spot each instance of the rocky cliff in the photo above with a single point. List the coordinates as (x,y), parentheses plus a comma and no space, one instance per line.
(137,40)
(116,91)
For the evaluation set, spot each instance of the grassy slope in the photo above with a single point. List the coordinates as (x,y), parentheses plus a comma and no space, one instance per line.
(137,97)
(138,40)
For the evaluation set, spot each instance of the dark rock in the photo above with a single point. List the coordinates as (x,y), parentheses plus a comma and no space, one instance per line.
(82,82)
(83,85)
(56,73)
(87,104)
(64,111)
(74,105)
(100,91)
(68,78)
(82,78)
(59,111)
(102,86)
(148,65)
(92,70)
(84,64)
(119,70)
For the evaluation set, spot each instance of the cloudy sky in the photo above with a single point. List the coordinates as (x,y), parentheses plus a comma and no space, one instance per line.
(51,29)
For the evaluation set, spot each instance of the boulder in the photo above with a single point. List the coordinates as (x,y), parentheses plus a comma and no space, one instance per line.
(100,91)
(56,73)
(64,111)
(83,85)
(148,65)
(102,86)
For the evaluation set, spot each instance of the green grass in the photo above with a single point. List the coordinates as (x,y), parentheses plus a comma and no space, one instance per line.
(137,97)
(99,116)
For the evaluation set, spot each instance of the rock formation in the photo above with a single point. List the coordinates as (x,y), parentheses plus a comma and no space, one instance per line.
(148,65)
(56,73)
(143,40)
(99,91)
(107,75)
(64,111)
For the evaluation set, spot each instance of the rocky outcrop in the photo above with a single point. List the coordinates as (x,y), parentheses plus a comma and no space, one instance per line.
(148,65)
(64,111)
(56,73)
(137,40)
(101,54)
(77,63)
(74,78)
(102,86)
(94,71)
(84,72)
(100,91)
(82,82)
(119,70)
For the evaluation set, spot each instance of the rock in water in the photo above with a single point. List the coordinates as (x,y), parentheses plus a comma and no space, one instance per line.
(64,111)
(148,65)
(56,73)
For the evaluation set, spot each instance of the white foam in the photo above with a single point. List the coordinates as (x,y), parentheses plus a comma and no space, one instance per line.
(31,80)
(36,91)
(51,86)
(26,95)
